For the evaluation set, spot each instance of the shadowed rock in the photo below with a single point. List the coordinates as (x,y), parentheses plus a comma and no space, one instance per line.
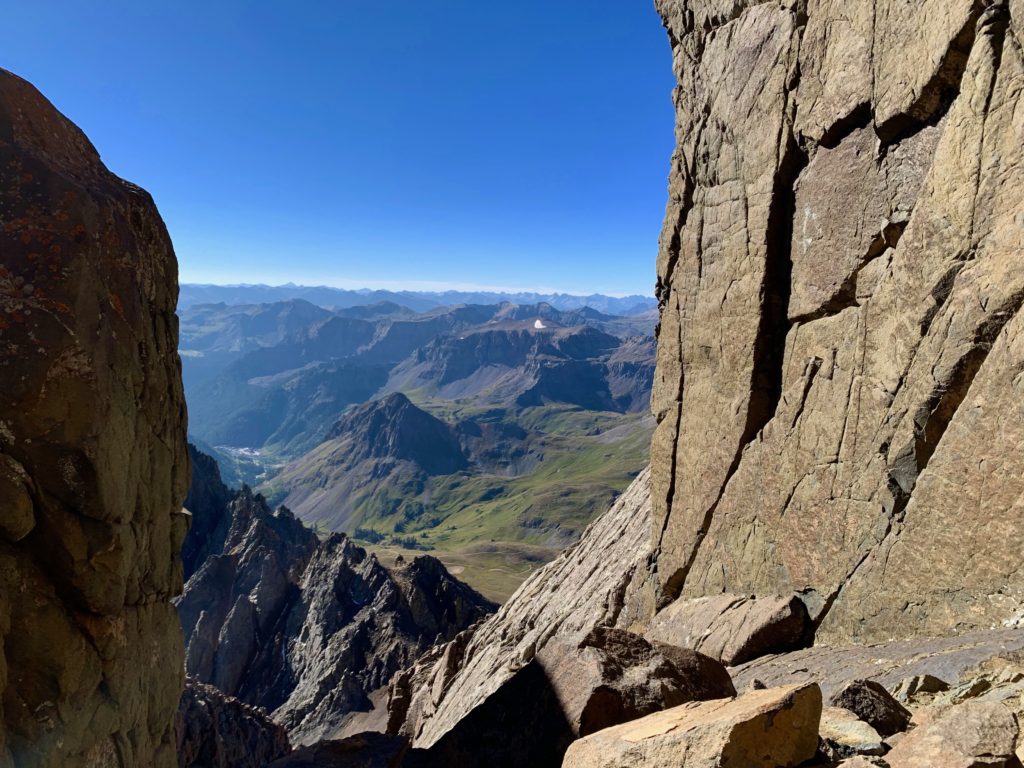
(93,467)
(217,731)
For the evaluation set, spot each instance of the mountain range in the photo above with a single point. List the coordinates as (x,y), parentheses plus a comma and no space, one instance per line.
(502,426)
(419,301)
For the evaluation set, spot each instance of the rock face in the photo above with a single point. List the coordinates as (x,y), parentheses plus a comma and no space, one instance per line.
(775,728)
(308,629)
(838,388)
(93,466)
(218,731)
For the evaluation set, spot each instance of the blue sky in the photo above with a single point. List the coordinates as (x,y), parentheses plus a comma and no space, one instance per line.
(361,143)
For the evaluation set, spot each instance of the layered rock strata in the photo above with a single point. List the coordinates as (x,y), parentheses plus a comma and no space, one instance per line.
(93,464)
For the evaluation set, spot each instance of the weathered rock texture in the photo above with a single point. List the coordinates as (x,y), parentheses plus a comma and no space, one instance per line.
(93,467)
(307,629)
(838,386)
(733,628)
(217,731)
(775,728)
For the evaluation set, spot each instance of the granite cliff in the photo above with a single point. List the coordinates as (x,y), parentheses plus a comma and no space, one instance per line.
(838,383)
(93,463)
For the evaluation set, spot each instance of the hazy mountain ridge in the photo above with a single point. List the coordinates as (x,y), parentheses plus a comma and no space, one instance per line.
(419,301)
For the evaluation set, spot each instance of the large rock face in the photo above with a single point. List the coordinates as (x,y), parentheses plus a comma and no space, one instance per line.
(838,386)
(311,630)
(93,466)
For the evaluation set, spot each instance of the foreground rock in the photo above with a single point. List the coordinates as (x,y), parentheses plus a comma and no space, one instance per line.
(93,466)
(734,628)
(364,750)
(572,689)
(966,736)
(845,735)
(218,731)
(774,728)
(311,630)
(873,704)
(613,676)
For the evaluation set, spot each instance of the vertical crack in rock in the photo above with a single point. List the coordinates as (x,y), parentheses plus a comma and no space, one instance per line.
(769,346)
(930,424)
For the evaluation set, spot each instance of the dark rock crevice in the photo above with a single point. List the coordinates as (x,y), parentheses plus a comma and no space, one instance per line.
(939,94)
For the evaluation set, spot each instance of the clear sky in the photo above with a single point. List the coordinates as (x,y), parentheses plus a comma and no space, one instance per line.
(409,143)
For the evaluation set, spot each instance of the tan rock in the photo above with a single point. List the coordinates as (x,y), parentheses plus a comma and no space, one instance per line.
(733,628)
(613,676)
(840,283)
(965,736)
(846,734)
(776,727)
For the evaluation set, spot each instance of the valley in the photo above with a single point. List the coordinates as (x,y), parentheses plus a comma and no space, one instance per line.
(486,435)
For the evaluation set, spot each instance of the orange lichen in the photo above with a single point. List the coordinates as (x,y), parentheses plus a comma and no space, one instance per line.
(115,302)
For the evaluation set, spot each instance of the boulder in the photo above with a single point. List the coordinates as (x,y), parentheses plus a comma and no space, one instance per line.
(909,687)
(734,628)
(572,689)
(846,735)
(613,676)
(218,731)
(969,735)
(772,728)
(869,701)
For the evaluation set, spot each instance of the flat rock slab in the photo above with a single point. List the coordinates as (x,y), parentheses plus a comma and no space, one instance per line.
(733,628)
(776,728)
(888,663)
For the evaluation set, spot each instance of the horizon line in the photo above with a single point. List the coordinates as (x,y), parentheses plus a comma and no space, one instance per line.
(435,289)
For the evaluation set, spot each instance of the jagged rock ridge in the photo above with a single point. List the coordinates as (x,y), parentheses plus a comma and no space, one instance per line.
(93,466)
(311,630)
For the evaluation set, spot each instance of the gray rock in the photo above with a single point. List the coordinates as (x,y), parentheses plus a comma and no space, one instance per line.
(873,704)
(310,630)
(217,731)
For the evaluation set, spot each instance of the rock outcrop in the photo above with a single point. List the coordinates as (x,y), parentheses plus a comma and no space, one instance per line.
(838,380)
(310,630)
(93,466)
(734,628)
(217,731)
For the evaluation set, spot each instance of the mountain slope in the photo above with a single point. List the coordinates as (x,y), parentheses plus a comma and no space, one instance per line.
(308,629)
